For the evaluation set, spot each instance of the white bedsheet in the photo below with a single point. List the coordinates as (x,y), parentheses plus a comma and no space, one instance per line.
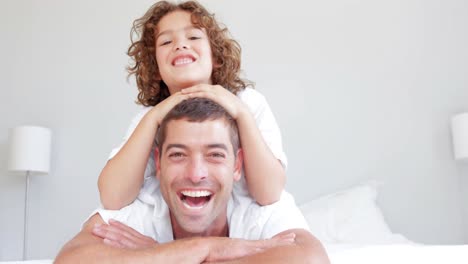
(372,254)
(397,253)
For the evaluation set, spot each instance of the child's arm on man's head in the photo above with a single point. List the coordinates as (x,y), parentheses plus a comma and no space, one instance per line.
(122,177)
(264,173)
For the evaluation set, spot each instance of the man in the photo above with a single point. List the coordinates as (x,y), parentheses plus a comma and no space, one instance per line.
(197,219)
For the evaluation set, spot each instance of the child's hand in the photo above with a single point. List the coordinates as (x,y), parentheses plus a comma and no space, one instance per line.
(220,95)
(165,106)
(119,235)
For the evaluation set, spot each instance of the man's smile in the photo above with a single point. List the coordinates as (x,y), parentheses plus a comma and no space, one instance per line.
(195,199)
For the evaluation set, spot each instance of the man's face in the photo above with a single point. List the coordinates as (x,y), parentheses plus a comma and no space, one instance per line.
(196,170)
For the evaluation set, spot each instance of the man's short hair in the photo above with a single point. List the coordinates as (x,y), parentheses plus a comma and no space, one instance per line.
(198,110)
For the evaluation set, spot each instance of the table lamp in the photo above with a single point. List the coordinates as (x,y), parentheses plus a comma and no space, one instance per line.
(29,153)
(460,136)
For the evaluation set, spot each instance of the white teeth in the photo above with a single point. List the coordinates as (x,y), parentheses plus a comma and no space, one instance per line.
(182,61)
(203,193)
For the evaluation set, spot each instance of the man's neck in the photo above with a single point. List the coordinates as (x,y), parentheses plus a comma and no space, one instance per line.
(218,228)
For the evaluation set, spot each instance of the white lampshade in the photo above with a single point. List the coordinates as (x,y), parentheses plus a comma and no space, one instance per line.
(30,149)
(460,136)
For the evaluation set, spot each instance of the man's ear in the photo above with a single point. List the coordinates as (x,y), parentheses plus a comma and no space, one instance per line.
(157,162)
(238,164)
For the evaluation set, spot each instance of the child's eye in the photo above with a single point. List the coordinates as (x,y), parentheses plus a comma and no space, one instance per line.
(194,38)
(165,43)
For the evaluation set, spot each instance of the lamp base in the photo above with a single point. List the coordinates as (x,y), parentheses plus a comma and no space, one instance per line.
(25,222)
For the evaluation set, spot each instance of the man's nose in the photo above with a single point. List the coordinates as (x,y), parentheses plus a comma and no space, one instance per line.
(198,170)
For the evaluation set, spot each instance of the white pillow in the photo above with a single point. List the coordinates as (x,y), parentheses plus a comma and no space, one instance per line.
(350,216)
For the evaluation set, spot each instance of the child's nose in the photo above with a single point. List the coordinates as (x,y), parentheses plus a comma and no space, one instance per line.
(181,45)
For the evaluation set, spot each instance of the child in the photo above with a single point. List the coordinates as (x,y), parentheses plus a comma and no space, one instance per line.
(182,52)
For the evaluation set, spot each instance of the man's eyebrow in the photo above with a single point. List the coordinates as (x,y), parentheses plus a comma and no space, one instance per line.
(220,145)
(208,146)
(169,146)
(170,31)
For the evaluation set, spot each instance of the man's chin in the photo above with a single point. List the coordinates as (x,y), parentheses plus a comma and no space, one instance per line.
(194,228)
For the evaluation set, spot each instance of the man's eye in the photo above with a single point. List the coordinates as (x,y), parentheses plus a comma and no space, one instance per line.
(217,155)
(176,155)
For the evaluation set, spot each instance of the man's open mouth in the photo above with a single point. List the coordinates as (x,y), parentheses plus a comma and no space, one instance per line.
(195,199)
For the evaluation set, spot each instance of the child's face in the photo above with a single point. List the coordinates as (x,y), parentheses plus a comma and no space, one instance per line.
(183,52)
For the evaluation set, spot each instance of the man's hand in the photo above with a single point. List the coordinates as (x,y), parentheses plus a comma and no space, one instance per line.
(290,246)
(225,249)
(120,235)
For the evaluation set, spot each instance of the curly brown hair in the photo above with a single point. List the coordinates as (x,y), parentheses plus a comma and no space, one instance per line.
(226,52)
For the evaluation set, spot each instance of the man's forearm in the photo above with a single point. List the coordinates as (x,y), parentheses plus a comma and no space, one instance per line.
(291,246)
(180,251)
(88,248)
(94,253)
(284,254)
(305,249)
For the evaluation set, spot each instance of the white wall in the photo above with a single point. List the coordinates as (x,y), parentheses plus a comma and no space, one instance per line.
(361,89)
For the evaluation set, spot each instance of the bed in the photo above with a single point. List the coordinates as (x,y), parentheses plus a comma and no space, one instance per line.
(353,230)
(398,253)
(372,254)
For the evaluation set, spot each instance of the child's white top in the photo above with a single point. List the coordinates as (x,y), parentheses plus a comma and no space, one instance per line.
(266,123)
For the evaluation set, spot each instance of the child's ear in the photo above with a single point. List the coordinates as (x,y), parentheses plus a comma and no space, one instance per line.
(157,162)
(238,164)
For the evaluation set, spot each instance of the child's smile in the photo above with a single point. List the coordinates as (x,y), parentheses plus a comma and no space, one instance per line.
(183,60)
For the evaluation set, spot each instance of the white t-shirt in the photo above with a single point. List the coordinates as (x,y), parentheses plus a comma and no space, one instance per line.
(246,219)
(266,123)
